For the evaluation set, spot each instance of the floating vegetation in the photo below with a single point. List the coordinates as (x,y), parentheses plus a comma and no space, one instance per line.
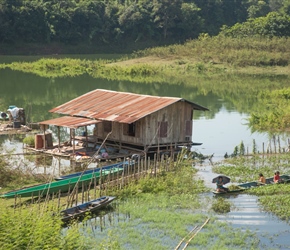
(221,205)
(233,187)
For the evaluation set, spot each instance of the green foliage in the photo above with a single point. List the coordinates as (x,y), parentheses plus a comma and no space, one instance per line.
(274,24)
(275,115)
(175,182)
(275,199)
(221,205)
(29,140)
(254,151)
(244,169)
(236,151)
(171,217)
(242,150)
(249,51)
(32,228)
(126,23)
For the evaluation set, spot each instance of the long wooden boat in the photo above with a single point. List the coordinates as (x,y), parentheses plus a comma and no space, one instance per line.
(252,184)
(85,208)
(120,165)
(62,186)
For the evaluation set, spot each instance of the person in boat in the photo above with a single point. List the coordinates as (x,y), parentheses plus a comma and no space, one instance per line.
(262,179)
(277,178)
(219,185)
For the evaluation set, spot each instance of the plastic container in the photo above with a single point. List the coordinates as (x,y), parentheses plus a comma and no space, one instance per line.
(16,124)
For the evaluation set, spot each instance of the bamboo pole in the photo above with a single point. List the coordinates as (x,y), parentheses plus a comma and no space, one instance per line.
(185,238)
(195,234)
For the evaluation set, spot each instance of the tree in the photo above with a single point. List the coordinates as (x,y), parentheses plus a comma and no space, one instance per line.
(191,23)
(258,8)
(136,22)
(286,7)
(166,15)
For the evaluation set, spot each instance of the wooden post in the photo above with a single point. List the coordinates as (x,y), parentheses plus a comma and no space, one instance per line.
(83,190)
(263,146)
(86,131)
(76,192)
(95,187)
(58,202)
(44,141)
(74,146)
(100,181)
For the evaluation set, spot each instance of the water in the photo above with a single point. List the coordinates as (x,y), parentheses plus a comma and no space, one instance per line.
(224,132)
(247,214)
(273,233)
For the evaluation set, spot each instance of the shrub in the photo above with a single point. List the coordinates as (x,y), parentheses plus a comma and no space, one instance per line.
(29,140)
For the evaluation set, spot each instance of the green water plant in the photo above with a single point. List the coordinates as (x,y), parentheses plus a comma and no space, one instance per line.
(29,140)
(221,205)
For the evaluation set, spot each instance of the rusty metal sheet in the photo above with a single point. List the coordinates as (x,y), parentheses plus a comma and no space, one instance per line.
(70,122)
(116,106)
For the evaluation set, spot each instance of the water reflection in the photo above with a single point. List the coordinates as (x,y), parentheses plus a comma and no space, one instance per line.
(273,233)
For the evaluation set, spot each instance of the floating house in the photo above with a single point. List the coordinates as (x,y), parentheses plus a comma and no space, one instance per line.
(131,121)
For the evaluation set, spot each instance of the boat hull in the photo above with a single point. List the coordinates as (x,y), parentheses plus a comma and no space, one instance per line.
(252,184)
(62,186)
(120,165)
(86,208)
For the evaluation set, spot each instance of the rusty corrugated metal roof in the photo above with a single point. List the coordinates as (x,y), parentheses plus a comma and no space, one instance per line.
(116,106)
(70,122)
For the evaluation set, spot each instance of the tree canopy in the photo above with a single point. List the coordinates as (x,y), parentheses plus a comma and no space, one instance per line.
(123,22)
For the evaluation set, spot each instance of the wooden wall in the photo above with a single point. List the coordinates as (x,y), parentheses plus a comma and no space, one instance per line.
(175,119)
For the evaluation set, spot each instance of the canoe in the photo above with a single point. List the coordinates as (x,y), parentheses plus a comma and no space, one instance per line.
(252,184)
(85,208)
(62,186)
(90,171)
(229,192)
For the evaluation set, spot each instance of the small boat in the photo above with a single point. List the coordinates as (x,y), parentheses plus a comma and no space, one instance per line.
(252,184)
(85,208)
(239,189)
(62,186)
(94,170)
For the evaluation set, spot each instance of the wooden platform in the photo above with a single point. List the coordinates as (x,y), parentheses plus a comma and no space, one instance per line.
(82,153)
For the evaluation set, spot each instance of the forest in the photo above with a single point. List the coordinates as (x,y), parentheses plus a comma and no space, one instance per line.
(124,25)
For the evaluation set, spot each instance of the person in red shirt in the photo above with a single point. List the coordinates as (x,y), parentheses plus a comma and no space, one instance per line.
(276,178)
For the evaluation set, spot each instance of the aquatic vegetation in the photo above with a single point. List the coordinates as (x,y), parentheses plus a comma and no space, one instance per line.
(275,115)
(247,168)
(221,205)
(159,221)
(273,198)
